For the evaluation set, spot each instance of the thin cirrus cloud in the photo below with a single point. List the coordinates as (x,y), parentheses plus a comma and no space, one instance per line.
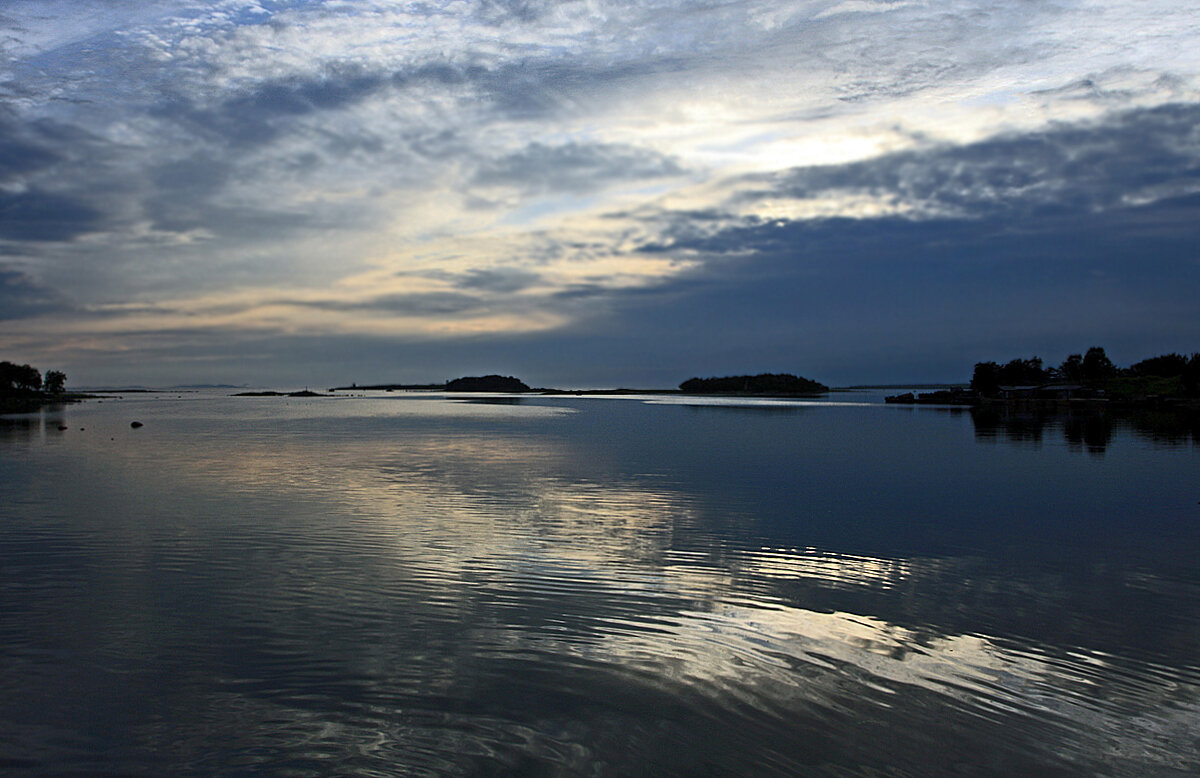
(559,180)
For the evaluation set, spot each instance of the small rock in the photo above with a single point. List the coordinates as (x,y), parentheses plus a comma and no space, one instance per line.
(62,427)
(135,424)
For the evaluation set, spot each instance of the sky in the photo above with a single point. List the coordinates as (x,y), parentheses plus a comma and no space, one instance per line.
(591,193)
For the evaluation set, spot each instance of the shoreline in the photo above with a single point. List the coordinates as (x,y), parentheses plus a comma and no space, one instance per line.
(12,404)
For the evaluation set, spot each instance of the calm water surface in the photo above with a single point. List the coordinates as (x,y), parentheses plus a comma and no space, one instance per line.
(420,585)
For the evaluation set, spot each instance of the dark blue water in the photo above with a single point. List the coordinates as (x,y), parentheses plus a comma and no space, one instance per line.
(416,585)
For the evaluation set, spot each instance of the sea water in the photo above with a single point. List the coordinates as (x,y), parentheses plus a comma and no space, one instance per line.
(418,584)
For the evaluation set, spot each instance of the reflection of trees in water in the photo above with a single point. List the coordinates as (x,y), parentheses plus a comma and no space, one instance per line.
(1168,426)
(1091,430)
(28,426)
(1088,428)
(1023,425)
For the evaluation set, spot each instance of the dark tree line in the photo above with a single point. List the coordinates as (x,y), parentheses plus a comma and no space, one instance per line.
(27,380)
(764,383)
(1089,368)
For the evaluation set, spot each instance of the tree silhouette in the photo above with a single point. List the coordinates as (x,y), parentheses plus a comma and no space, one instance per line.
(986,378)
(989,376)
(1072,369)
(1097,365)
(1191,376)
(19,378)
(1164,366)
(55,381)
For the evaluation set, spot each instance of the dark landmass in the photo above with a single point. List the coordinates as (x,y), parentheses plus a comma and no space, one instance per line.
(190,387)
(764,384)
(487,383)
(1167,381)
(954,396)
(302,393)
(599,392)
(390,388)
(23,389)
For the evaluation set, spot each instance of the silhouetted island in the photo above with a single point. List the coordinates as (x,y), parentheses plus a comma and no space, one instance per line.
(487,383)
(774,384)
(764,384)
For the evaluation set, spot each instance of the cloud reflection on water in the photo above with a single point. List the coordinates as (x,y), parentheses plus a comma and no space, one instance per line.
(483,589)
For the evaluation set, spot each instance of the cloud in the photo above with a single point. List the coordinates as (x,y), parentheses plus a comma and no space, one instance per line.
(1130,158)
(498,280)
(28,147)
(42,216)
(21,297)
(17,157)
(261,113)
(574,167)
(440,304)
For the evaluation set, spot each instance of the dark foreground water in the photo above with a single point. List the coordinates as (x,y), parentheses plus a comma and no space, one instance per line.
(408,585)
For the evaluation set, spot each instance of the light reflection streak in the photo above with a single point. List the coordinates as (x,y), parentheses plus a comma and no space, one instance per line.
(830,567)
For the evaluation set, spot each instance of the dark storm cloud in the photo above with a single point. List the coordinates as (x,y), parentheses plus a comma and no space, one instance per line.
(514,90)
(21,297)
(26,147)
(17,157)
(42,216)
(1065,168)
(185,194)
(61,182)
(574,167)
(259,115)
